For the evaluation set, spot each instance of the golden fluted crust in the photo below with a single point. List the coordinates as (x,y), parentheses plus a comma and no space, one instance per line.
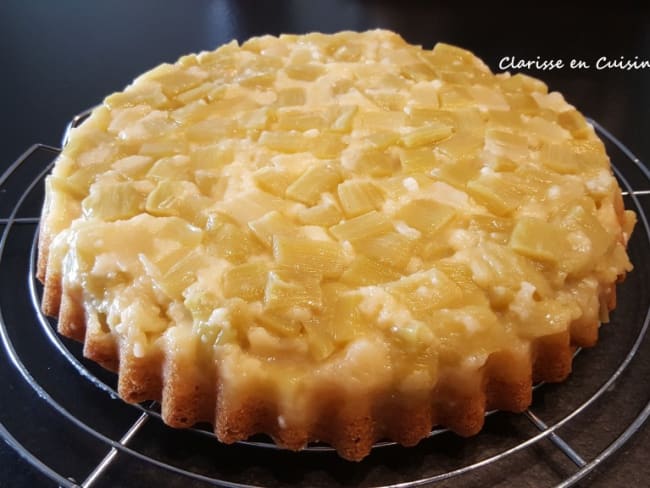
(189,394)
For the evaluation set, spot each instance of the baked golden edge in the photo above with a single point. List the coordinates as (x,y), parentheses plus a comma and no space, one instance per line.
(187,395)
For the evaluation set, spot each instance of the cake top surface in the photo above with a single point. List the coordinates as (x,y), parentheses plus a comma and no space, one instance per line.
(337,199)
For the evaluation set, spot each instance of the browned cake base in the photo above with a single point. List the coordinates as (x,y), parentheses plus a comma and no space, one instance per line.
(350,425)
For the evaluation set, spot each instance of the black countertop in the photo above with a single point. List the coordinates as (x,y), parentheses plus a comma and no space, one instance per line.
(59,58)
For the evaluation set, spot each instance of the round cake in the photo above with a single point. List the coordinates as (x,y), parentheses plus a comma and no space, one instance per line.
(338,238)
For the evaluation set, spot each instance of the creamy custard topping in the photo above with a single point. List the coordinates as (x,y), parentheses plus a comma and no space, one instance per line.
(344,201)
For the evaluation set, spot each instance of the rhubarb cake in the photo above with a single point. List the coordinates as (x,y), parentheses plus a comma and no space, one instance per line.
(338,238)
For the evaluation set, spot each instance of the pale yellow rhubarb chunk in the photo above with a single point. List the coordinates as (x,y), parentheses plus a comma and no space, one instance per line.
(501,264)
(175,80)
(358,197)
(201,304)
(427,216)
(496,193)
(458,172)
(341,317)
(231,107)
(210,130)
(113,202)
(245,281)
(573,121)
(327,145)
(321,343)
(425,94)
(585,230)
(460,146)
(429,134)
(211,157)
(288,97)
(342,118)
(547,131)
(163,147)
(456,96)
(280,324)
(182,274)
(82,178)
(418,160)
(461,275)
(520,103)
(255,120)
(62,187)
(309,256)
(422,116)
(284,291)
(324,214)
(210,183)
(251,205)
(173,167)
(300,120)
(426,290)
(523,83)
(507,144)
(146,93)
(196,93)
(388,100)
(391,248)
(447,55)
(287,142)
(133,167)
(382,139)
(225,239)
(365,271)
(313,183)
(538,239)
(305,72)
(366,225)
(376,163)
(418,72)
(272,224)
(272,180)
(259,81)
(180,199)
(382,120)
(559,157)
(191,113)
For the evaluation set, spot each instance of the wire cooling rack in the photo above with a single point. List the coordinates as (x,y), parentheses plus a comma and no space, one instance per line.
(62,415)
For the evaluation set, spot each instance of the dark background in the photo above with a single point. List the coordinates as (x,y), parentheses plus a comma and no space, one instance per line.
(59,58)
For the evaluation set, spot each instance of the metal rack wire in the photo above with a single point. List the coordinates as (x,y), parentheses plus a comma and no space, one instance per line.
(131,439)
